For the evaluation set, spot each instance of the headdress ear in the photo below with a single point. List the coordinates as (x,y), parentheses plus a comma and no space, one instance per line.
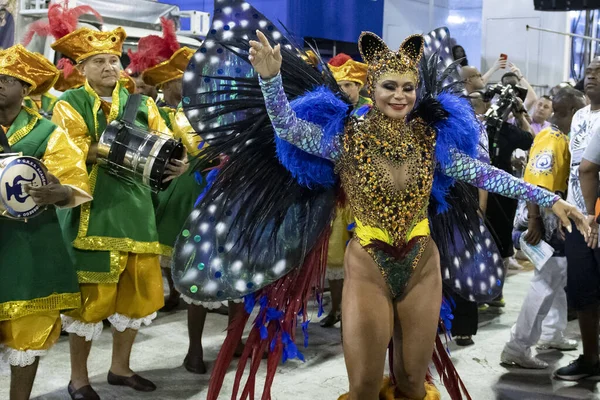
(371,46)
(413,47)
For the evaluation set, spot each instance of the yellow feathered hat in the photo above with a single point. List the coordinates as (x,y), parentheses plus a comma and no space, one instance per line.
(32,68)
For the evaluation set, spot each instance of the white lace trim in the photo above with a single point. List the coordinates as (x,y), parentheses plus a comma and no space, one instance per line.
(122,322)
(20,358)
(90,331)
(210,305)
(335,274)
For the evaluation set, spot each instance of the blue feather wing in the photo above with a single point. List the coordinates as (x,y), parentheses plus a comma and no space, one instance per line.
(324,108)
(460,130)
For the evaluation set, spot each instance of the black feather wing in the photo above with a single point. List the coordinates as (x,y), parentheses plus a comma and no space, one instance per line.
(254,214)
(470,261)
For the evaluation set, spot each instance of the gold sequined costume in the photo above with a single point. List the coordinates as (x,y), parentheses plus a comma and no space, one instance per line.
(389,190)
(387,170)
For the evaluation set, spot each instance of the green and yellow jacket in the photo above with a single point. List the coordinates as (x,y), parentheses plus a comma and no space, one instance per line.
(36,272)
(121,217)
(46,105)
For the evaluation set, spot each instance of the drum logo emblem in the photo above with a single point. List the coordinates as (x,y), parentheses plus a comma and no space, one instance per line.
(16,190)
(21,171)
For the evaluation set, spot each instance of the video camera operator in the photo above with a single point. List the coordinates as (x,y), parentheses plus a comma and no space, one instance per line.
(504,139)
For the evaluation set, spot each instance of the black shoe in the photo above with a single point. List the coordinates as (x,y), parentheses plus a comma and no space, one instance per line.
(194,365)
(577,370)
(135,382)
(331,319)
(83,393)
(464,341)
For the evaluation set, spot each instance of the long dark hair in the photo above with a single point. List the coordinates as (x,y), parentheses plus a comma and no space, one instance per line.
(464,61)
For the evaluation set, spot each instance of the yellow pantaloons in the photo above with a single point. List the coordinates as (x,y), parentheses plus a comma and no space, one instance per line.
(25,338)
(129,303)
(387,392)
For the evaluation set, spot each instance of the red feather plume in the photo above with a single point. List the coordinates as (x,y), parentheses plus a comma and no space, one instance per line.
(41,28)
(154,49)
(66,66)
(62,20)
(170,43)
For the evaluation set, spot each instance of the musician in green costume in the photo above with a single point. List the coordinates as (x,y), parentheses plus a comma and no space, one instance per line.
(114,239)
(37,278)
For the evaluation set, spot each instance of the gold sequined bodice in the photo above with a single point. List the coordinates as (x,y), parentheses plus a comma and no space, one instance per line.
(387,172)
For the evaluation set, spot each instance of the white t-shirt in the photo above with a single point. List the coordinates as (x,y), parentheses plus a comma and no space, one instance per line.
(585,125)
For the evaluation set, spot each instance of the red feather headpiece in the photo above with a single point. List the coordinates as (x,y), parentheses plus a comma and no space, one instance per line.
(154,49)
(62,20)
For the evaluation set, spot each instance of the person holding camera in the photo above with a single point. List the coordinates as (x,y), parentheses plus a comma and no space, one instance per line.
(504,139)
(515,78)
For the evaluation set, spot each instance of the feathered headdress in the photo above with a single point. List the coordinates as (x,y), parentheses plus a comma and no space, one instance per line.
(154,49)
(61,21)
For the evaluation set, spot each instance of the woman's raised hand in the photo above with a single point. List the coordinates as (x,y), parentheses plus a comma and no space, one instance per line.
(265,59)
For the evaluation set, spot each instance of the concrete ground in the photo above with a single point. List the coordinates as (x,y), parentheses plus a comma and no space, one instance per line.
(160,349)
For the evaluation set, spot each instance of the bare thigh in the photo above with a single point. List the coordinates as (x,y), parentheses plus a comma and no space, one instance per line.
(368,323)
(416,317)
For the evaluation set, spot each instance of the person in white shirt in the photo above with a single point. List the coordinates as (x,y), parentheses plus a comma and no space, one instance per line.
(583,258)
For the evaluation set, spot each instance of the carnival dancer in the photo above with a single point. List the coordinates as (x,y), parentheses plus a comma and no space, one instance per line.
(35,284)
(377,279)
(351,76)
(113,239)
(281,208)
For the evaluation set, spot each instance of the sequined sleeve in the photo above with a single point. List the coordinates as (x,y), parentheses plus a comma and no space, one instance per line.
(184,131)
(302,134)
(65,161)
(486,177)
(67,118)
(155,120)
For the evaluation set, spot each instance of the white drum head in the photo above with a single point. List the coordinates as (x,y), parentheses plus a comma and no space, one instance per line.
(19,171)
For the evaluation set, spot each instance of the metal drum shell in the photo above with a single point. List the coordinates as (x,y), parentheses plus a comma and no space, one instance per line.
(130,152)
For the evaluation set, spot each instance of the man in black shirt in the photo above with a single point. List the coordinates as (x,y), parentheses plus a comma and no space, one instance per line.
(501,210)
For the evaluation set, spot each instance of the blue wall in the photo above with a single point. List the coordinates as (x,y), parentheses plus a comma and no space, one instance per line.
(342,20)
(327,19)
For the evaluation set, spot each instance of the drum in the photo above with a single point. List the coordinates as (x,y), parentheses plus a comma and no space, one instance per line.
(16,171)
(130,152)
